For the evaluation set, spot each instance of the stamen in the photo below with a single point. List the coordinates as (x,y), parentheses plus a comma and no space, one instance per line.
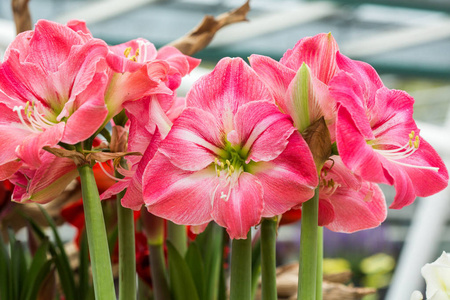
(127,52)
(109,175)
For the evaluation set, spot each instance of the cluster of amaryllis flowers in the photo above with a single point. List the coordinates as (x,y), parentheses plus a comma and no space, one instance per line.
(237,150)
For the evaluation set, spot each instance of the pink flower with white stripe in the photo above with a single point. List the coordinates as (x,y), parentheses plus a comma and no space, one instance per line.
(377,137)
(231,156)
(52,84)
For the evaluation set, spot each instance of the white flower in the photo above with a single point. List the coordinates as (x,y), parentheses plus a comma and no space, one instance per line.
(437,277)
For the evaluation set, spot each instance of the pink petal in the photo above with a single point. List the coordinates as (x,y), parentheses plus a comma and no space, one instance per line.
(356,154)
(243,207)
(318,52)
(285,184)
(8,169)
(231,84)
(349,93)
(357,210)
(120,63)
(326,212)
(183,197)
(89,115)
(275,75)
(410,182)
(133,196)
(30,150)
(48,181)
(183,63)
(78,26)
(51,44)
(199,135)
(263,130)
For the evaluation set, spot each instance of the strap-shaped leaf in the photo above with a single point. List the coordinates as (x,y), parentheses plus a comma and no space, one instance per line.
(181,281)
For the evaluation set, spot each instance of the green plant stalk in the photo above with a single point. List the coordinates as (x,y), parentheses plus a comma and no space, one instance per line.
(268,259)
(158,271)
(308,249)
(256,265)
(214,261)
(241,269)
(127,253)
(96,233)
(319,274)
(176,234)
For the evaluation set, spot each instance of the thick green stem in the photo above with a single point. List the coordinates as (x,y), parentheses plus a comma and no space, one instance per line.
(268,259)
(241,269)
(154,230)
(127,253)
(319,275)
(256,265)
(96,233)
(308,249)
(176,234)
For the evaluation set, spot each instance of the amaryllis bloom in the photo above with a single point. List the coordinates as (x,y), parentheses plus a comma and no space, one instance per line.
(231,156)
(377,137)
(139,70)
(299,82)
(346,202)
(52,84)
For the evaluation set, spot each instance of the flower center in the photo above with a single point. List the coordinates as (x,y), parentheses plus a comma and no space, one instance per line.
(134,57)
(405,151)
(34,120)
(327,185)
(227,170)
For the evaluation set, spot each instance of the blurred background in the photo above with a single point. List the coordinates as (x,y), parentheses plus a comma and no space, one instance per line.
(408,43)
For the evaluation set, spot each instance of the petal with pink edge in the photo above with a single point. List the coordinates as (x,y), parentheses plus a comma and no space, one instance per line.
(90,112)
(183,63)
(200,136)
(49,180)
(231,84)
(275,75)
(411,180)
(184,197)
(263,130)
(357,210)
(356,154)
(239,208)
(285,184)
(318,52)
(30,151)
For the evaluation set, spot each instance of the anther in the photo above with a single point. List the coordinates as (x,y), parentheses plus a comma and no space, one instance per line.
(137,52)
(222,165)
(416,142)
(231,168)
(411,135)
(127,52)
(227,162)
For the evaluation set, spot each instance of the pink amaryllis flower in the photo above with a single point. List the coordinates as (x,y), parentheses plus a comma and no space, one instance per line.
(377,137)
(231,156)
(139,70)
(52,84)
(346,202)
(299,81)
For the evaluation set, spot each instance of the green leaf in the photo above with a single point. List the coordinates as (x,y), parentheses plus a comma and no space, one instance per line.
(41,275)
(4,271)
(66,274)
(39,259)
(195,263)
(181,282)
(213,254)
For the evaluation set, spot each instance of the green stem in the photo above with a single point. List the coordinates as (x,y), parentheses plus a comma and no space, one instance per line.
(176,234)
(308,249)
(241,269)
(256,265)
(96,233)
(319,275)
(268,259)
(127,253)
(158,270)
